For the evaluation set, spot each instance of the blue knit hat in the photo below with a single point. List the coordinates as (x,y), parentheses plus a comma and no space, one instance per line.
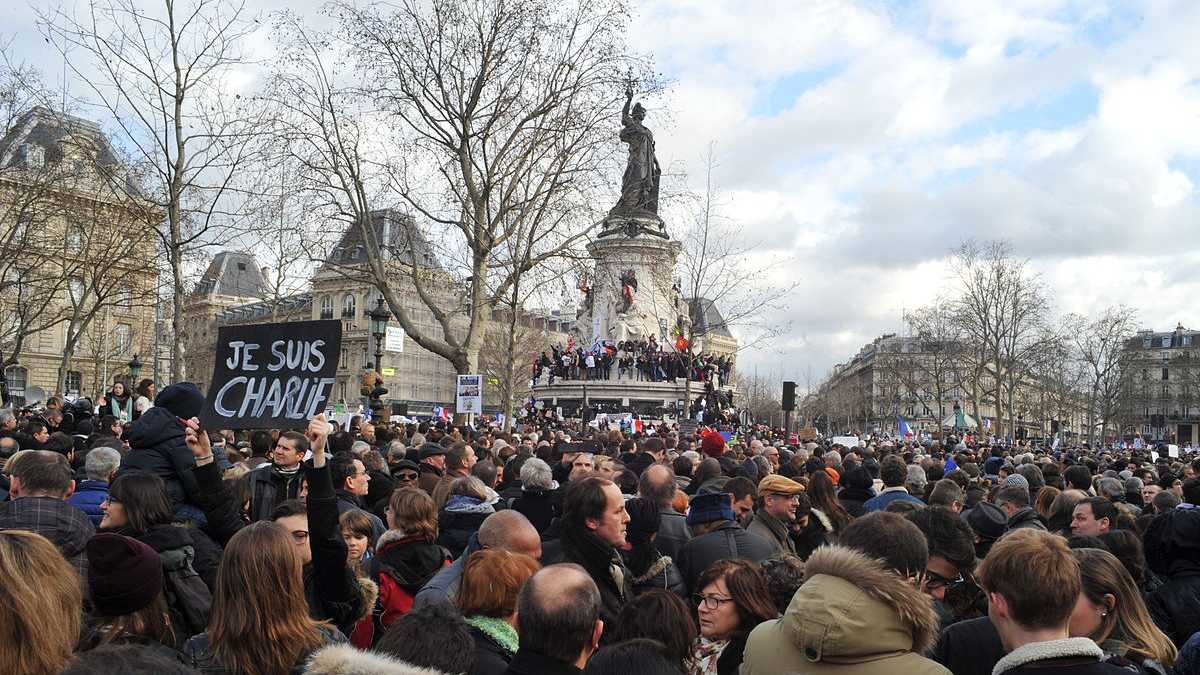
(710,507)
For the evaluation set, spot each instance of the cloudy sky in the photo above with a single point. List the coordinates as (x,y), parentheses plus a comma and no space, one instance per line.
(865,139)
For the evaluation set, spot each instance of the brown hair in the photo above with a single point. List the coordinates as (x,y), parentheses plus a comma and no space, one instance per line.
(260,623)
(491,581)
(748,588)
(1037,576)
(412,510)
(151,621)
(1045,500)
(1102,573)
(40,605)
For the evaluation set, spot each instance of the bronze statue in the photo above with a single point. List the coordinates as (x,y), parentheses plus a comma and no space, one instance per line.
(639,185)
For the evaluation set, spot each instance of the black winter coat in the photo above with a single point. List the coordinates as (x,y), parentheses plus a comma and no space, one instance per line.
(172,536)
(455,529)
(490,657)
(595,556)
(970,647)
(726,542)
(156,446)
(1172,543)
(541,507)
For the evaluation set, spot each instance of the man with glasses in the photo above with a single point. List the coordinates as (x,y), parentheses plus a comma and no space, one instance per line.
(774,518)
(351,483)
(274,483)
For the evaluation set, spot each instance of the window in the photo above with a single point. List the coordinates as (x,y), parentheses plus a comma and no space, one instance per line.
(327,307)
(74,382)
(125,298)
(123,338)
(1166,341)
(18,379)
(75,238)
(1146,342)
(35,156)
(1166,374)
(1166,391)
(1187,340)
(348,306)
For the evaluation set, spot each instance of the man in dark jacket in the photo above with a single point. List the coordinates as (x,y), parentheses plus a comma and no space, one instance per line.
(330,586)
(558,622)
(351,481)
(1173,552)
(716,537)
(433,466)
(156,442)
(1014,501)
(273,484)
(657,484)
(593,530)
(41,481)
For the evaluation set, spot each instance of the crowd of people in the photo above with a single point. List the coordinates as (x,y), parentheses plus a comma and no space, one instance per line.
(644,359)
(158,546)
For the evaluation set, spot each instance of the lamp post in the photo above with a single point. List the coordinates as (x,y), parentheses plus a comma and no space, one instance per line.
(135,367)
(379,316)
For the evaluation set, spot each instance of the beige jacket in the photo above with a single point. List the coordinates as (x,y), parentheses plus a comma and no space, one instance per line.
(851,616)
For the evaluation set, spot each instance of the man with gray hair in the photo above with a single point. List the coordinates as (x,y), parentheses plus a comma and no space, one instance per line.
(540,501)
(101,465)
(1013,500)
(8,422)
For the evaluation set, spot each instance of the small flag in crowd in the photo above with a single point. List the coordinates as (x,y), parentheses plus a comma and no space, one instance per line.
(903,426)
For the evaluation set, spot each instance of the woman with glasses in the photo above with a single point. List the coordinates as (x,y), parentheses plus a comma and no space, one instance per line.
(138,507)
(733,599)
(1111,612)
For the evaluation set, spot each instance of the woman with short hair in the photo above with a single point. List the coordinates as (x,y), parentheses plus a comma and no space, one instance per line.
(487,597)
(733,599)
(407,555)
(260,623)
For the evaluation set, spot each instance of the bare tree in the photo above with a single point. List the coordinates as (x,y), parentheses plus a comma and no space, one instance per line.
(722,267)
(1099,346)
(162,76)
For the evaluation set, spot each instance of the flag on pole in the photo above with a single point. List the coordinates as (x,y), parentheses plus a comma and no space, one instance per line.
(950,464)
(905,432)
(1054,445)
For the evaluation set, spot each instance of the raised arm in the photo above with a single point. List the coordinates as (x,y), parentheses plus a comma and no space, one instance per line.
(213,496)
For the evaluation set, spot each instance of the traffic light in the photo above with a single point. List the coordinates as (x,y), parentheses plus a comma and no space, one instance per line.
(789,395)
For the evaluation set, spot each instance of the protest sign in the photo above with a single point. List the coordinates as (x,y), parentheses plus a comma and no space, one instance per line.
(848,441)
(469,395)
(272,376)
(1173,451)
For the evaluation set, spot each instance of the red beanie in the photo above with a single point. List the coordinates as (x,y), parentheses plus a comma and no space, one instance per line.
(713,444)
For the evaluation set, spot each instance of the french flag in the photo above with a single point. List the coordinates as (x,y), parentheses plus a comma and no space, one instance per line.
(904,430)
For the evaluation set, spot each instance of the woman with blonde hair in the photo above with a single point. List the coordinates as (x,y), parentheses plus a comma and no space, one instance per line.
(1111,612)
(40,605)
(260,623)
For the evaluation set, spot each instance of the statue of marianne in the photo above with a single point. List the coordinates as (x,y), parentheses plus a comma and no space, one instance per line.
(639,185)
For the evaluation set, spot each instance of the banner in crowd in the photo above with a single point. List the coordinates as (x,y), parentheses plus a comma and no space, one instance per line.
(272,376)
(468,397)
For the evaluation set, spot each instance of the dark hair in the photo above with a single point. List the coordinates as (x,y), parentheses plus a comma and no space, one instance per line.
(946,535)
(823,496)
(662,616)
(456,455)
(1127,547)
(1012,494)
(144,498)
(585,499)
(430,637)
(945,492)
(784,573)
(559,622)
(709,469)
(893,472)
(682,466)
(340,441)
(1191,490)
(1085,541)
(341,467)
(126,658)
(888,537)
(261,443)
(290,507)
(748,588)
(642,656)
(653,444)
(43,471)
(1079,477)
(740,487)
(1101,507)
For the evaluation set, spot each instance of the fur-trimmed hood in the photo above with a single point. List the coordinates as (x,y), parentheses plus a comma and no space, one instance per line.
(852,608)
(346,660)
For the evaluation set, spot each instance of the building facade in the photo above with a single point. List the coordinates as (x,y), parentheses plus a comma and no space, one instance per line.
(77,252)
(1161,386)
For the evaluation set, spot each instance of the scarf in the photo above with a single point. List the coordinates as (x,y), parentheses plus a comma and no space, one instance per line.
(499,630)
(595,555)
(706,654)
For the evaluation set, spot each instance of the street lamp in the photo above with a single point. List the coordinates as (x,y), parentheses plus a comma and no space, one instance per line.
(379,316)
(135,367)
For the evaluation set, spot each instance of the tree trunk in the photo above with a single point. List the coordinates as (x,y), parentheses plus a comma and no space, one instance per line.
(176,256)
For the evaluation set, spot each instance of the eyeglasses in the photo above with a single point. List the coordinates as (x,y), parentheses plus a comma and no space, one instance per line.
(300,536)
(406,476)
(710,601)
(934,581)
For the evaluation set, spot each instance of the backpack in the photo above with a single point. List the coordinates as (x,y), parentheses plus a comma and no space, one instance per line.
(188,599)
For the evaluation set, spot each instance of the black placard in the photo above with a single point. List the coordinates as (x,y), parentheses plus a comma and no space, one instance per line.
(272,376)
